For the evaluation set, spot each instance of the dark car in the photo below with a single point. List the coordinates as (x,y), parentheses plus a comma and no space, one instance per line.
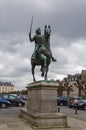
(81,104)
(74,101)
(24,97)
(13,99)
(62,101)
(4,103)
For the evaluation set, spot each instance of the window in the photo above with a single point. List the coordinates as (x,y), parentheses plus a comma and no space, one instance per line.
(5,96)
(12,97)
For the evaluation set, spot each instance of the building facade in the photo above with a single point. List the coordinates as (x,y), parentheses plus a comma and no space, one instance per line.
(73,80)
(6,87)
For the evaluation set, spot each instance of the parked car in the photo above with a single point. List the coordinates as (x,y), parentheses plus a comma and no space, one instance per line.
(4,103)
(24,97)
(62,101)
(81,104)
(13,99)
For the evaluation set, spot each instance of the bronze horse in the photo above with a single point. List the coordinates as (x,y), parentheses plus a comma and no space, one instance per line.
(43,57)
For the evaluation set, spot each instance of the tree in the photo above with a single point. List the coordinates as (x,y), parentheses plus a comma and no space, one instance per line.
(79,85)
(68,88)
(60,88)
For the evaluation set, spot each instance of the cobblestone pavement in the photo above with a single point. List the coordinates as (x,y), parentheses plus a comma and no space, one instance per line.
(13,122)
(16,123)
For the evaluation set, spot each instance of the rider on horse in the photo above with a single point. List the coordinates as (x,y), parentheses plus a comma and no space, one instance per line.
(39,43)
(42,54)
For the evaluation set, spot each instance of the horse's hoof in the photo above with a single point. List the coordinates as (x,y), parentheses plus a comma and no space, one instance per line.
(45,79)
(34,80)
(42,74)
(41,69)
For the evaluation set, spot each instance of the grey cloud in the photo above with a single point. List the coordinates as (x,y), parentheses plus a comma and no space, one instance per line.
(67,20)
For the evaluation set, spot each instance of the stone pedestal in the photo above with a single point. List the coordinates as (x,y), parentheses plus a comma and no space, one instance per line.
(41,110)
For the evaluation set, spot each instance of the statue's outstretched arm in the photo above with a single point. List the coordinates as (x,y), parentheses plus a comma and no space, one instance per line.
(31,39)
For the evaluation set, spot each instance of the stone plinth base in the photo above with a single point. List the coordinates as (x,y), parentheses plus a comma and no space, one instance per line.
(44,120)
(41,110)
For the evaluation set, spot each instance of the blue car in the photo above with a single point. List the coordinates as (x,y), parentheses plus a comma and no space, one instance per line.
(13,99)
(4,103)
(62,101)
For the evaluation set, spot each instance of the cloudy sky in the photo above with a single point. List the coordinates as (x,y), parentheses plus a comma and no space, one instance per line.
(68,38)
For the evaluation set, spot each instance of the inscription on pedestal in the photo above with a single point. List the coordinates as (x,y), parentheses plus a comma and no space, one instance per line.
(49,95)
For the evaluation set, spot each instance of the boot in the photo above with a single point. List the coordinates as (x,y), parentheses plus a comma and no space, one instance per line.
(53,59)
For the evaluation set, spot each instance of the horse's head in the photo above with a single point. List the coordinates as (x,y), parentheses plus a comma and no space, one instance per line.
(47,31)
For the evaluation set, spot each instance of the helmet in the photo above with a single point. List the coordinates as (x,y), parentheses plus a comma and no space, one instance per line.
(38,30)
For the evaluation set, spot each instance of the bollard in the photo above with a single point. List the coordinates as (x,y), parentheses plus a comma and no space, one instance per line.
(58,109)
(76,110)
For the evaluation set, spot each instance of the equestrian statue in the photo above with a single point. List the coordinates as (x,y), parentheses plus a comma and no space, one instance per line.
(42,54)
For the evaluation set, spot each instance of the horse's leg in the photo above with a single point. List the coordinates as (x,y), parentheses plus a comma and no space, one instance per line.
(44,65)
(33,67)
(42,74)
(44,58)
(45,73)
(48,63)
(41,68)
